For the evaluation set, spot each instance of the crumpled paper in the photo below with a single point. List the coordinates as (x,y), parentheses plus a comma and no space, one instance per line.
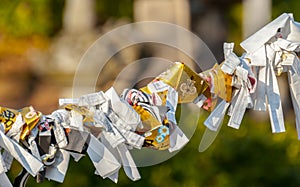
(156,104)
(102,125)
(271,51)
(106,126)
(236,96)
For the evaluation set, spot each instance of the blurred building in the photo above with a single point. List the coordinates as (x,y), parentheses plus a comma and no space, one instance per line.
(53,73)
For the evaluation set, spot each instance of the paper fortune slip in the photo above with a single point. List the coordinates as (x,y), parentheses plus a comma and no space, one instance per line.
(105,126)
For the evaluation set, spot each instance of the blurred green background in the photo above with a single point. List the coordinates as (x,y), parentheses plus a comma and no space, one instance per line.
(251,156)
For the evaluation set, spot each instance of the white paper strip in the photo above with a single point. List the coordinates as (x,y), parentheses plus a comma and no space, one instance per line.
(58,170)
(7,159)
(32,144)
(114,177)
(231,60)
(76,120)
(132,138)
(294,34)
(123,110)
(199,101)
(259,96)
(296,107)
(107,144)
(177,139)
(171,104)
(29,162)
(2,165)
(103,160)
(114,138)
(76,156)
(239,108)
(92,99)
(294,82)
(216,117)
(274,102)
(60,135)
(64,101)
(4,181)
(128,163)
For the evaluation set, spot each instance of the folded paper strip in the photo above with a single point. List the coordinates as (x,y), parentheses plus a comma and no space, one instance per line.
(102,125)
(105,126)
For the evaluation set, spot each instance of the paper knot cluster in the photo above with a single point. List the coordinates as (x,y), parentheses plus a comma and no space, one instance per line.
(105,126)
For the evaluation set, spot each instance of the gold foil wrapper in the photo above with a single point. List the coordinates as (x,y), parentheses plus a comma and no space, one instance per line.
(80,109)
(8,117)
(220,82)
(151,126)
(86,113)
(31,119)
(185,81)
(149,121)
(228,86)
(157,140)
